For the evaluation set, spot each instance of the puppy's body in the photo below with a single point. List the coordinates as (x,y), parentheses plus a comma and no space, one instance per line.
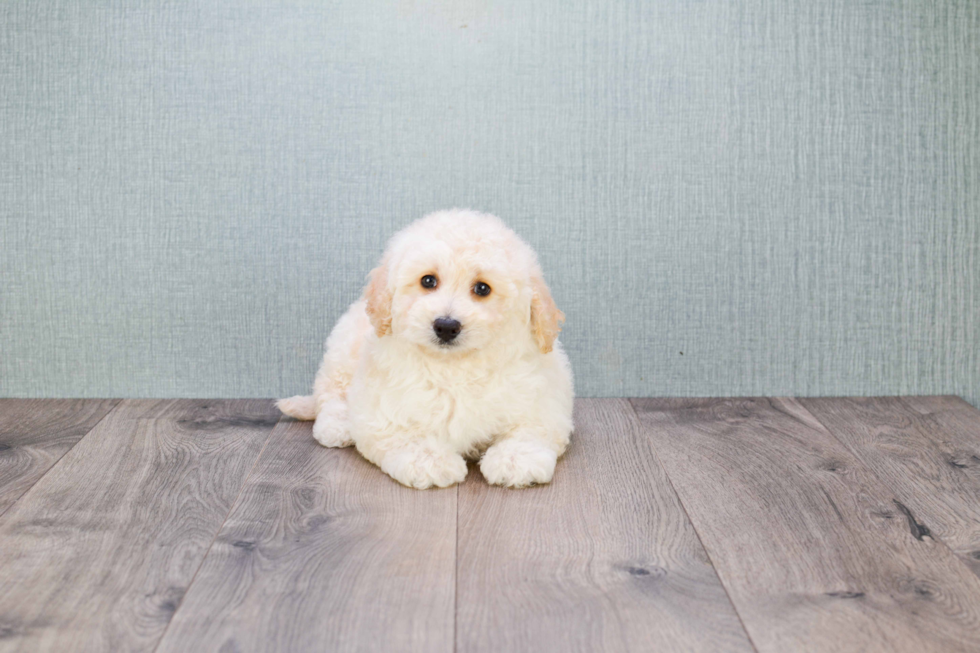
(416,403)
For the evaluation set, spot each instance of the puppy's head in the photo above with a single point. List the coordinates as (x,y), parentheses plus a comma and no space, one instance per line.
(457,281)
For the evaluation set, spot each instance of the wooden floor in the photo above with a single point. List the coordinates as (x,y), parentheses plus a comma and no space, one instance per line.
(771,525)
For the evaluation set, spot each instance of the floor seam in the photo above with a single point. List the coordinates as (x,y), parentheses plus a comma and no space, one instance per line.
(936,538)
(60,458)
(697,534)
(217,532)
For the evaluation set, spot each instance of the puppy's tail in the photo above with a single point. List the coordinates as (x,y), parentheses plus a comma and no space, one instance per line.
(299,407)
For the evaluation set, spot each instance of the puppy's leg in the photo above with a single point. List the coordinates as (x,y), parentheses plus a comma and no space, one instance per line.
(419,463)
(332,426)
(525,456)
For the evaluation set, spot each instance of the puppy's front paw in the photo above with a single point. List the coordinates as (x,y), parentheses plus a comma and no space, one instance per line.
(330,433)
(332,429)
(518,463)
(424,466)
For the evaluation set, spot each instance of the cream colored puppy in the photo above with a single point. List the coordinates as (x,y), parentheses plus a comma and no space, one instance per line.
(451,353)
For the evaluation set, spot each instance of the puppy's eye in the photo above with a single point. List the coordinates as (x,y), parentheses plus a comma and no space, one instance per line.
(481,289)
(429,281)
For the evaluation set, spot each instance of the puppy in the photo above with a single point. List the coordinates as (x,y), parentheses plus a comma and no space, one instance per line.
(450,354)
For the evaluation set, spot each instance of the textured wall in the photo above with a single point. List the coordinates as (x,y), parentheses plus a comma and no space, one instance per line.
(750,197)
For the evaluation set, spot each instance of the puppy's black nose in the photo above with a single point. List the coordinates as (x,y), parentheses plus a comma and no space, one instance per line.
(446,328)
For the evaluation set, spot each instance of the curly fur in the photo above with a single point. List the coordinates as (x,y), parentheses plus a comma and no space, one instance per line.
(416,407)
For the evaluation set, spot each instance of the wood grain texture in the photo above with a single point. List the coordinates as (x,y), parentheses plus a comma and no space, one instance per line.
(36,433)
(323,552)
(97,555)
(601,559)
(814,550)
(927,450)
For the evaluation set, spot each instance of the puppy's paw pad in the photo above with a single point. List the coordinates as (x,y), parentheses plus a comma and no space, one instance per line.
(424,467)
(332,432)
(513,463)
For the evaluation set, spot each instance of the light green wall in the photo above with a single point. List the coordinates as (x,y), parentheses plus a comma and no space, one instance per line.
(788,192)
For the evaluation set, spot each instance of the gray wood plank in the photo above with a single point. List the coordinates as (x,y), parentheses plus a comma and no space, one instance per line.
(814,551)
(926,449)
(97,554)
(36,433)
(323,552)
(601,559)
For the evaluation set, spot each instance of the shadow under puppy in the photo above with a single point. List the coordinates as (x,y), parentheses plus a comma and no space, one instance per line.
(451,353)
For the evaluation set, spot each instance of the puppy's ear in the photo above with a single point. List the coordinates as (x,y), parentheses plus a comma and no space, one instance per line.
(546,319)
(379,300)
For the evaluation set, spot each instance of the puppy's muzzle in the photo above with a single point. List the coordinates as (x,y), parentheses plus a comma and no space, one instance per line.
(446,329)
